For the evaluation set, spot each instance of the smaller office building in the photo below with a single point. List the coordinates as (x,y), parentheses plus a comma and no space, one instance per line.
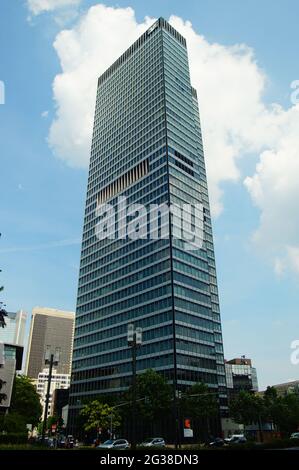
(59,381)
(240,375)
(11,358)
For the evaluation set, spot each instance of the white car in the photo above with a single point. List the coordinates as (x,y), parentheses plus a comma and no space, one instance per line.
(236,439)
(295,435)
(115,444)
(153,442)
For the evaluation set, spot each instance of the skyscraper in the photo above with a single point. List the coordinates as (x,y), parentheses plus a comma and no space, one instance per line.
(50,329)
(146,147)
(14,332)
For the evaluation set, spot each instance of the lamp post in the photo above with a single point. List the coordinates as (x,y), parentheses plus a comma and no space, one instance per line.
(134,342)
(177,398)
(50,359)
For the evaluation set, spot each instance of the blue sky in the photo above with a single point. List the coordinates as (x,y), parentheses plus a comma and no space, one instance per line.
(43,190)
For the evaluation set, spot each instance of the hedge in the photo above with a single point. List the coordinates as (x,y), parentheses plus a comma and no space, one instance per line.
(13,438)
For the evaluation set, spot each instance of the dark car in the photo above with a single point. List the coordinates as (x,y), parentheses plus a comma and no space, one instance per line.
(61,442)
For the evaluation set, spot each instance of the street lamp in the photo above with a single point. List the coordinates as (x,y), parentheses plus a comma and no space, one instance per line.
(50,359)
(134,342)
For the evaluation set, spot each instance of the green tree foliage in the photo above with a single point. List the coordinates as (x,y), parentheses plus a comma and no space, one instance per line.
(199,402)
(97,415)
(247,408)
(25,400)
(154,395)
(50,421)
(282,411)
(13,423)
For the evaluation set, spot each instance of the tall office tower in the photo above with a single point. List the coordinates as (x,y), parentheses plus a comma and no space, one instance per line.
(14,332)
(50,330)
(146,146)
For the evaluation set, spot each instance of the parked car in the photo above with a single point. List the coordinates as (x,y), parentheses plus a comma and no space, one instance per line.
(50,442)
(61,443)
(236,439)
(114,444)
(294,435)
(153,442)
(69,442)
(217,442)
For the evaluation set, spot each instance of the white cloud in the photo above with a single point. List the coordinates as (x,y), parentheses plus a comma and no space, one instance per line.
(45,114)
(85,52)
(37,7)
(274,189)
(235,120)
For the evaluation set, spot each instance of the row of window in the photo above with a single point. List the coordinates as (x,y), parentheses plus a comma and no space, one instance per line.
(142,190)
(121,329)
(133,156)
(122,305)
(121,342)
(125,285)
(97,320)
(127,291)
(124,268)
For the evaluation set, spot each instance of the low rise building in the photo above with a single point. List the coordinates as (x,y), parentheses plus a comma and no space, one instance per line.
(59,381)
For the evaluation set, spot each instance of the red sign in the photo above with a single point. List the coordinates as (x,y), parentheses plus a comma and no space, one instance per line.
(187,423)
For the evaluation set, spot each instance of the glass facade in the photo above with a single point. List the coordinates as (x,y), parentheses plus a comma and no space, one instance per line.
(241,377)
(146,146)
(14,332)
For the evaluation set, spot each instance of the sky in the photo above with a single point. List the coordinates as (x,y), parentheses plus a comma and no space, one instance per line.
(244,63)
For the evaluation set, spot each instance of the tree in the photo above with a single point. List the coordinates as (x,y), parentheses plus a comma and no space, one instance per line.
(50,421)
(283,412)
(54,420)
(247,408)
(199,402)
(13,423)
(199,405)
(154,401)
(154,395)
(97,415)
(25,400)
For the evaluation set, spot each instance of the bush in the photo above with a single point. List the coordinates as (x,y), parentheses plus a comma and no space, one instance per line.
(13,423)
(13,438)
(250,446)
(281,443)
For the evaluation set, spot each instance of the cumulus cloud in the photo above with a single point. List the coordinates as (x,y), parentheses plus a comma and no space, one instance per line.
(236,121)
(85,52)
(274,189)
(37,7)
